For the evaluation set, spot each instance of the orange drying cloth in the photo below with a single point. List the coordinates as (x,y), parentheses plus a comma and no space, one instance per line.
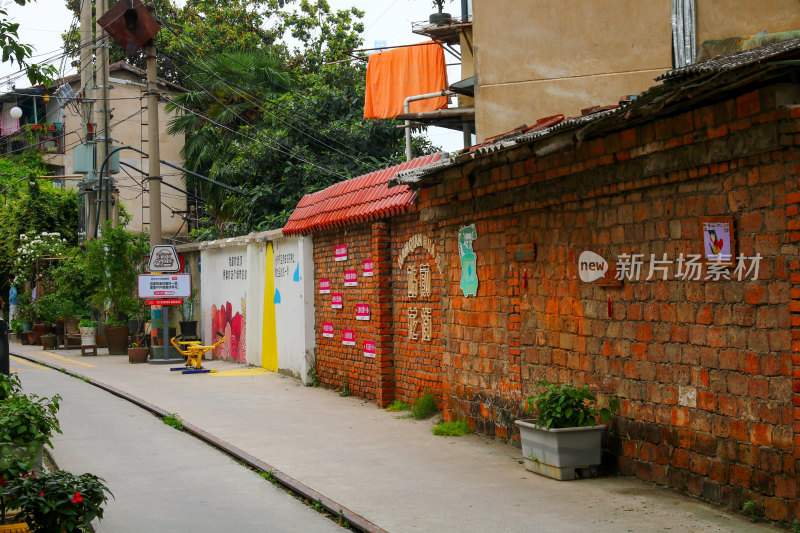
(395,75)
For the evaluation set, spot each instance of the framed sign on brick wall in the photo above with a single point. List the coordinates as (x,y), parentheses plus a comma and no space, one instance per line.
(719,240)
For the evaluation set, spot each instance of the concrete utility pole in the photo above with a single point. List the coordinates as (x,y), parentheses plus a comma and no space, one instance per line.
(86,56)
(101,97)
(154,169)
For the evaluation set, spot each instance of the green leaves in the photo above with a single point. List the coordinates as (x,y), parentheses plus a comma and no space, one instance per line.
(567,406)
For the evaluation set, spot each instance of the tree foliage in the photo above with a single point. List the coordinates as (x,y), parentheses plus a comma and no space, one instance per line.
(20,53)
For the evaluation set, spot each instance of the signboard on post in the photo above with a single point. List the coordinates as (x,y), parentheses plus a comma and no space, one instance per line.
(153,286)
(164,258)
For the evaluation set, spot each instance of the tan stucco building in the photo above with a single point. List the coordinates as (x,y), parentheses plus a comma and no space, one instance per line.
(533,59)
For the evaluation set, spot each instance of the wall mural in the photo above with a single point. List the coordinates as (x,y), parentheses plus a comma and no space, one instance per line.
(234,327)
(469,275)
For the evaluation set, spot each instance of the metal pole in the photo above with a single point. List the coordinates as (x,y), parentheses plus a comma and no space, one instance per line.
(165,335)
(101,93)
(4,363)
(154,172)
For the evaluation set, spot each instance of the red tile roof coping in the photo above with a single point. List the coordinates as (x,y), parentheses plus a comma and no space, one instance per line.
(356,200)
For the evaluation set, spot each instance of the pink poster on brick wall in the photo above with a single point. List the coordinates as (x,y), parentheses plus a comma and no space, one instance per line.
(340,253)
(369,349)
(327,330)
(325,286)
(368,268)
(351,278)
(349,337)
(362,312)
(337,300)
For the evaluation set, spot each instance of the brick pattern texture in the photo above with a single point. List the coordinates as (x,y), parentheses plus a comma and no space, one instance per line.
(707,372)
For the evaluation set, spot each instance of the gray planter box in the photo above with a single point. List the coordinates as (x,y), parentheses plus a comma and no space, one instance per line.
(560,453)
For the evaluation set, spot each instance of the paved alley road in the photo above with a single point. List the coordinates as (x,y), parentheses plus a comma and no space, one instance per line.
(162,479)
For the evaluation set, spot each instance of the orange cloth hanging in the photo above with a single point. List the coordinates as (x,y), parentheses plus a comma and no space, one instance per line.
(394,75)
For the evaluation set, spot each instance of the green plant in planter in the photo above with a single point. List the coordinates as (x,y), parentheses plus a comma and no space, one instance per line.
(28,418)
(87,323)
(568,406)
(188,305)
(60,501)
(113,265)
(16,325)
(9,385)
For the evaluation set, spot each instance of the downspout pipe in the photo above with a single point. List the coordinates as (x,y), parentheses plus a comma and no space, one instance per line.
(407,105)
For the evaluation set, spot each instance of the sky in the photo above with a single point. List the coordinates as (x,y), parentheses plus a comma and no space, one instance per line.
(43,22)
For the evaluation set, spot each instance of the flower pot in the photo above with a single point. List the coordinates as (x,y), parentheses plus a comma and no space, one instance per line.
(31,336)
(88,336)
(49,341)
(27,326)
(117,339)
(100,340)
(189,329)
(138,355)
(23,338)
(39,330)
(441,19)
(558,453)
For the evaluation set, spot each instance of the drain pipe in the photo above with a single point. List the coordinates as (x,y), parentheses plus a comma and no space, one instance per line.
(406,106)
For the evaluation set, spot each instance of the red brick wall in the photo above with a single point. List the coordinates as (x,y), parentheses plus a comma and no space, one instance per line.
(704,369)
(338,365)
(418,362)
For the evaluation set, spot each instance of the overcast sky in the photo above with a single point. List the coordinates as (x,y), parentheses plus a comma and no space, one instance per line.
(43,22)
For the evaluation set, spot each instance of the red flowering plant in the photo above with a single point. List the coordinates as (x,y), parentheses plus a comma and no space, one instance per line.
(59,501)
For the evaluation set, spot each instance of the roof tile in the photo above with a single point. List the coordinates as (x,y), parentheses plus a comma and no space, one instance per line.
(360,199)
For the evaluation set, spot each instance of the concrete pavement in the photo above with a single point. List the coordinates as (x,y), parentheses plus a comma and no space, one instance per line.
(391,471)
(162,480)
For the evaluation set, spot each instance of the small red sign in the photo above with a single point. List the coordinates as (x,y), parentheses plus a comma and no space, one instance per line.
(337,300)
(340,253)
(327,330)
(362,312)
(166,301)
(369,349)
(325,286)
(368,268)
(349,337)
(351,278)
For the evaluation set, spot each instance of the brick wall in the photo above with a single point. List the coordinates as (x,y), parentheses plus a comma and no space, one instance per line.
(705,370)
(404,367)
(338,365)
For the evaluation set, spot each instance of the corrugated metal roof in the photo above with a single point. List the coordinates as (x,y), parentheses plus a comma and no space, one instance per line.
(681,88)
(357,200)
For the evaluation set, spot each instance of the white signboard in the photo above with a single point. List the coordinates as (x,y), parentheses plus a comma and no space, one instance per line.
(162,285)
(164,258)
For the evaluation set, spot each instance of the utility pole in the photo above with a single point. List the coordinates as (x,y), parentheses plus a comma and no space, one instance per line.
(86,57)
(101,97)
(154,156)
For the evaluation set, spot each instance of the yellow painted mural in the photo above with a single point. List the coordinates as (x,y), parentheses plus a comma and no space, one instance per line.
(269,341)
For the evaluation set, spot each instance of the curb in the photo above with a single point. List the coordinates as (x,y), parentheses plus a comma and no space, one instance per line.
(356,521)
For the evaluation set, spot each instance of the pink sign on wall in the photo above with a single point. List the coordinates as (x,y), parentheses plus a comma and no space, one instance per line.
(351,278)
(362,312)
(349,337)
(337,300)
(325,286)
(327,330)
(340,253)
(368,268)
(369,349)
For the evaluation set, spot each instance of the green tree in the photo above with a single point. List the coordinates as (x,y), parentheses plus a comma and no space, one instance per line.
(113,263)
(20,53)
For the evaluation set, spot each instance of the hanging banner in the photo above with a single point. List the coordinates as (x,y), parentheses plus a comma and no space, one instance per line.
(351,278)
(340,253)
(362,312)
(327,330)
(368,268)
(349,337)
(337,300)
(369,349)
(324,286)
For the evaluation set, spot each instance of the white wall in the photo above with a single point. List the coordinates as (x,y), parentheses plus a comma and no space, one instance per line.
(293,271)
(224,286)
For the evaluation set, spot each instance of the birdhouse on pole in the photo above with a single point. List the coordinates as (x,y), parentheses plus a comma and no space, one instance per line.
(131,24)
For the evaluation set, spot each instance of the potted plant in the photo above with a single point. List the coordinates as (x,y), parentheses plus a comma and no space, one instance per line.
(60,501)
(440,18)
(112,263)
(88,329)
(563,437)
(138,353)
(16,327)
(189,324)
